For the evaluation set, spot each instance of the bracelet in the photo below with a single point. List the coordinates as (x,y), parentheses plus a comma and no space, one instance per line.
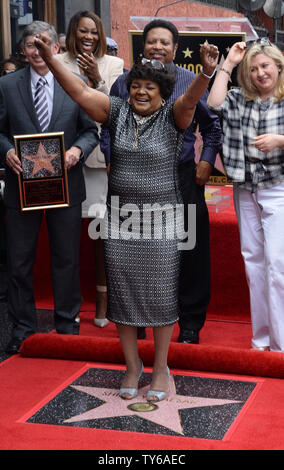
(101,288)
(205,74)
(101,83)
(226,71)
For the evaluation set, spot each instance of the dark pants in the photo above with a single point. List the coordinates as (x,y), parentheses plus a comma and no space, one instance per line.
(64,226)
(194,283)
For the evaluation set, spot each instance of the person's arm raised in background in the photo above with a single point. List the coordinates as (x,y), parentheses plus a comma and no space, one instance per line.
(184,106)
(93,102)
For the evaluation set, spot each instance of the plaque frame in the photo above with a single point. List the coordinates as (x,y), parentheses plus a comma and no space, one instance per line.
(43,183)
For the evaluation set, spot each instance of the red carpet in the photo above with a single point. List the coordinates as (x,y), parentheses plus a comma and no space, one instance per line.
(102,345)
(26,385)
(224,341)
(189,357)
(49,363)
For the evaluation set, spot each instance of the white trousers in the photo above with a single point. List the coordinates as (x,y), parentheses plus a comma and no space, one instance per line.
(261,224)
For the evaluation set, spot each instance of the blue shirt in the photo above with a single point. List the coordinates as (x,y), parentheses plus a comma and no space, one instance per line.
(205,120)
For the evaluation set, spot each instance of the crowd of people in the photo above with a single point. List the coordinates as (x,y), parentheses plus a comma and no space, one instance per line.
(129,139)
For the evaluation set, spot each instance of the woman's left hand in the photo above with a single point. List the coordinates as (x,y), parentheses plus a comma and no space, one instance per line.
(209,57)
(268,142)
(89,64)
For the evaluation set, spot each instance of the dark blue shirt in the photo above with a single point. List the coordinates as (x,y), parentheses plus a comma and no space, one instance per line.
(205,120)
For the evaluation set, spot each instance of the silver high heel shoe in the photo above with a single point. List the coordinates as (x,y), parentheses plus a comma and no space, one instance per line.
(159,396)
(133,392)
(101,322)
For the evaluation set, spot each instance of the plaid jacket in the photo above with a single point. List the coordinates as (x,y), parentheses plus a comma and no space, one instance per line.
(242,121)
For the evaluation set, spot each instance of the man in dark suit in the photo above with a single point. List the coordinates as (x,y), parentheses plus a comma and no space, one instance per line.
(18,117)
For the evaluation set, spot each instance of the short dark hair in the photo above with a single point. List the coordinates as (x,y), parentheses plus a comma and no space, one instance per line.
(165,77)
(161,24)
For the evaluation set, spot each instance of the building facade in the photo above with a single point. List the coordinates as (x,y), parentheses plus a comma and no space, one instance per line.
(16,14)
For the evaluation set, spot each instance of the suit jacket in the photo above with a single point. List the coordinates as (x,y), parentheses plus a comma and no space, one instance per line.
(110,69)
(18,117)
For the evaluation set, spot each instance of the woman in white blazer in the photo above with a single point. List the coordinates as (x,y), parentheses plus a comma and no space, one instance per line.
(86,55)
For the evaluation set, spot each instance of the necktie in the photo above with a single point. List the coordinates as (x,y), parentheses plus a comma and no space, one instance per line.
(40,103)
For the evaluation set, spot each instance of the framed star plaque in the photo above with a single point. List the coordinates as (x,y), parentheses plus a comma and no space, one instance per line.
(43,182)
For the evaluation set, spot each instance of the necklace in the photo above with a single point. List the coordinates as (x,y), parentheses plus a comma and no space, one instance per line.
(140,120)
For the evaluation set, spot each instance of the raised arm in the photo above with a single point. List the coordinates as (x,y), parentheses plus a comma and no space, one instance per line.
(184,106)
(93,102)
(219,88)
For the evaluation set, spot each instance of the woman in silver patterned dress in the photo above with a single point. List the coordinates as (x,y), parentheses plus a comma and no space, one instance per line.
(146,138)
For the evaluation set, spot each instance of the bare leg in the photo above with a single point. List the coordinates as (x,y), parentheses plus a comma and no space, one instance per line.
(101,291)
(128,338)
(160,378)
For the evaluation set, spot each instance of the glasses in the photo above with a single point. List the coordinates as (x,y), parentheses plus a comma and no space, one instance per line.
(30,46)
(260,41)
(156,64)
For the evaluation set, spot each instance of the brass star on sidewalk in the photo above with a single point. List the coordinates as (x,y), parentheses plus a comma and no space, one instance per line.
(41,160)
(165,413)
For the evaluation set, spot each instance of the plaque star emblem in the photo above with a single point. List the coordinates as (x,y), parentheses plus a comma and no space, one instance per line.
(41,160)
(187,53)
(165,413)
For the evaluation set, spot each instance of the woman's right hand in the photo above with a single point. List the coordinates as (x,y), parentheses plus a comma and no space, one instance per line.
(90,66)
(43,44)
(219,89)
(236,53)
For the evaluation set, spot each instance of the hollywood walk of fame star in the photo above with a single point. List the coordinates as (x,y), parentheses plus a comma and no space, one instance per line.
(166,413)
(187,53)
(41,160)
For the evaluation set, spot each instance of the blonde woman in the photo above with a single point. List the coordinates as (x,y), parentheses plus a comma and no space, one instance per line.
(253,148)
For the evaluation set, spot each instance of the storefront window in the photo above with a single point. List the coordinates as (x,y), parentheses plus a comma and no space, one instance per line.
(22,13)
